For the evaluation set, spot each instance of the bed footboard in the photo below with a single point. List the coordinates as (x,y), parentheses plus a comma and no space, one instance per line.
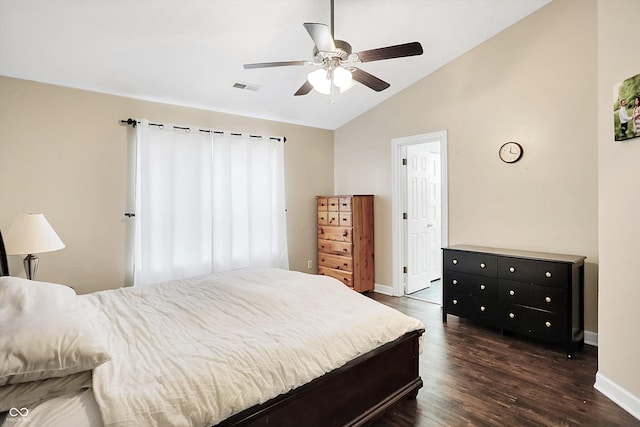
(351,395)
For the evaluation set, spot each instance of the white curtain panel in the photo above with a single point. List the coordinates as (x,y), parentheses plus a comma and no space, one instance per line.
(206,202)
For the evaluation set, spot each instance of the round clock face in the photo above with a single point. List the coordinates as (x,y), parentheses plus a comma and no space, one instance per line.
(510,152)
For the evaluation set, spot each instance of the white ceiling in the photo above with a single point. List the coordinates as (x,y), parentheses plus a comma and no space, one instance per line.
(191,52)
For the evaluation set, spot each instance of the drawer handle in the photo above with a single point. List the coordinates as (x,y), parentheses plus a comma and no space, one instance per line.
(548,274)
(512,316)
(512,269)
(454,281)
(547,324)
(455,261)
(482,286)
(512,292)
(482,265)
(547,299)
(482,308)
(345,234)
(455,301)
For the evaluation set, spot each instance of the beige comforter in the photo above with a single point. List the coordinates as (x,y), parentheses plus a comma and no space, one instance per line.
(194,352)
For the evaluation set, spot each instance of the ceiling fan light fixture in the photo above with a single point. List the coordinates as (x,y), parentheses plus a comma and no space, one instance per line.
(342,78)
(319,79)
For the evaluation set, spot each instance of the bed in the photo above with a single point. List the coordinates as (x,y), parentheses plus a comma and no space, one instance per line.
(242,348)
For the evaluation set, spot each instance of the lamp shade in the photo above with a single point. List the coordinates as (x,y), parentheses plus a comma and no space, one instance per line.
(31,234)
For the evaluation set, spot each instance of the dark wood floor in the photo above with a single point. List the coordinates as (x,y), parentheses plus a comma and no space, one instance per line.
(475,376)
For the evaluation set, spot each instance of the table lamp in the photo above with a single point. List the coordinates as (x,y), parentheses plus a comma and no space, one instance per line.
(31,234)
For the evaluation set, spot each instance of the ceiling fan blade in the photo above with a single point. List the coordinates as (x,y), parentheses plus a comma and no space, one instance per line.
(321,36)
(304,89)
(397,51)
(368,80)
(274,64)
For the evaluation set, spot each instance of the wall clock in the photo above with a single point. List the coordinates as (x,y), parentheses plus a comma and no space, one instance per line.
(510,152)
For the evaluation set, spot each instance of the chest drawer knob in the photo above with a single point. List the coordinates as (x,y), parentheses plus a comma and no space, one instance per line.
(547,324)
(454,281)
(482,287)
(482,308)
(455,261)
(512,269)
(482,265)
(547,299)
(512,292)
(455,301)
(548,274)
(512,316)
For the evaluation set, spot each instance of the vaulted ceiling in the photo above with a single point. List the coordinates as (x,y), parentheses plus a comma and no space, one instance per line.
(191,52)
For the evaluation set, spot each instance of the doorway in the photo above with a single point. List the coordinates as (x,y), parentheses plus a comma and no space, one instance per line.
(419,216)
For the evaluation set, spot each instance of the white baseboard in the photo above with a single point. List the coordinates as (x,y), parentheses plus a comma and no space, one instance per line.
(591,338)
(383,289)
(618,395)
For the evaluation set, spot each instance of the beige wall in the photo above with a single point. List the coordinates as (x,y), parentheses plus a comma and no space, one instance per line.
(63,153)
(534,83)
(619,209)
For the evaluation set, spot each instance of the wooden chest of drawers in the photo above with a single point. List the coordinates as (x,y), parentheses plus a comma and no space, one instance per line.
(345,240)
(536,294)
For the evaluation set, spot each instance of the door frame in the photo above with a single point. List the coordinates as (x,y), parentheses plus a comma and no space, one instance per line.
(398,201)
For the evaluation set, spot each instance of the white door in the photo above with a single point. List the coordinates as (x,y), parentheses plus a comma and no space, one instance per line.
(434,212)
(423,215)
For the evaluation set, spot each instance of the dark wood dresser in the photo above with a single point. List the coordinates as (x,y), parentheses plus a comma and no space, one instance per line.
(537,294)
(345,239)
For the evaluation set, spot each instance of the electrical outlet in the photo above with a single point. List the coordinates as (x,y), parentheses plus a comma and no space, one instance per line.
(309,264)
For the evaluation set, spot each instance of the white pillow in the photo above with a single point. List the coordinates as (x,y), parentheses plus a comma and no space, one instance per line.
(23,297)
(44,332)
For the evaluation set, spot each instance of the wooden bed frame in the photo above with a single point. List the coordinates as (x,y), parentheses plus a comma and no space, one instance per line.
(352,395)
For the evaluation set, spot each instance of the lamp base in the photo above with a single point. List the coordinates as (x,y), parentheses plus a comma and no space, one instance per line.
(31,266)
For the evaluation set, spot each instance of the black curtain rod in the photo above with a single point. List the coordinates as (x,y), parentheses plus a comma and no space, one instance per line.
(134,123)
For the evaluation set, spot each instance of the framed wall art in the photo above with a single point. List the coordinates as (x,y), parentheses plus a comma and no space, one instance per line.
(626,109)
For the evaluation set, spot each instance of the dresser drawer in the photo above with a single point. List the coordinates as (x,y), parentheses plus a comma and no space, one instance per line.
(323,218)
(470,262)
(345,219)
(332,218)
(343,276)
(333,204)
(335,261)
(339,234)
(533,271)
(323,203)
(550,299)
(473,307)
(457,303)
(333,247)
(513,292)
(542,297)
(344,204)
(536,323)
(457,281)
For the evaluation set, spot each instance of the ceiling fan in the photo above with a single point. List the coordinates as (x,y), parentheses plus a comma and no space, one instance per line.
(335,59)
